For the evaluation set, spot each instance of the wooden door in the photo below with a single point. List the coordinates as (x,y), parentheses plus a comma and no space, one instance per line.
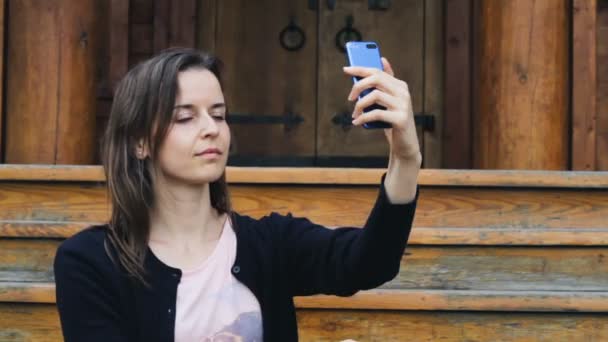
(265,81)
(399,32)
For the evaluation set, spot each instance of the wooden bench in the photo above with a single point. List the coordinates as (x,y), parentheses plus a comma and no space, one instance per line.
(494,255)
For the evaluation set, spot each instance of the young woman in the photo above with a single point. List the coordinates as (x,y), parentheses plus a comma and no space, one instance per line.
(175,262)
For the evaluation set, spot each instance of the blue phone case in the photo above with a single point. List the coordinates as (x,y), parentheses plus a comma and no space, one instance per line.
(366,54)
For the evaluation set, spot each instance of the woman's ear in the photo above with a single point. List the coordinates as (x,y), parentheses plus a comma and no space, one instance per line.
(141,149)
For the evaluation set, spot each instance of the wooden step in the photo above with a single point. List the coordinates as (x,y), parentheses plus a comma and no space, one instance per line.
(380,299)
(40,323)
(455,208)
(422,267)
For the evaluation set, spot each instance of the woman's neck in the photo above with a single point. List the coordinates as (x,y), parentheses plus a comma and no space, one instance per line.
(183,214)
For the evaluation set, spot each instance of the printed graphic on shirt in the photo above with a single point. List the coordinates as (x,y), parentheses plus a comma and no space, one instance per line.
(246,328)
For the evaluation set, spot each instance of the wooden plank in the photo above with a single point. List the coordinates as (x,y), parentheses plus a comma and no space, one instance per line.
(395,326)
(584,84)
(437,207)
(119,41)
(602,84)
(334,176)
(161,24)
(541,301)
(469,268)
(522,106)
(2,33)
(457,110)
(40,322)
(141,38)
(79,42)
(444,216)
(25,70)
(183,23)
(29,322)
(433,81)
(206,25)
(418,236)
(428,300)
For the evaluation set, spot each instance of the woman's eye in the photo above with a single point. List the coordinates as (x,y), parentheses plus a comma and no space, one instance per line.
(219,117)
(186,119)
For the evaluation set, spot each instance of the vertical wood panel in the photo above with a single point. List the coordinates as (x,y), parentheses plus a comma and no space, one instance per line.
(161,24)
(2,23)
(522,109)
(79,39)
(433,81)
(584,85)
(119,40)
(207,19)
(26,114)
(457,107)
(602,86)
(183,23)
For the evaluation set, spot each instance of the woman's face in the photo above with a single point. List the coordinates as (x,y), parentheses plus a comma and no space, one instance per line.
(195,150)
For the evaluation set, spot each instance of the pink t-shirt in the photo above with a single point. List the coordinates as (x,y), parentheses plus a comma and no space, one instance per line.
(212,305)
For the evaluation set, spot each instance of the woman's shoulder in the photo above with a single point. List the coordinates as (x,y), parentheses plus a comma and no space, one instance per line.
(85,246)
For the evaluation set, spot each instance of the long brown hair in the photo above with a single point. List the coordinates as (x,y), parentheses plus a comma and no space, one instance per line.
(143,110)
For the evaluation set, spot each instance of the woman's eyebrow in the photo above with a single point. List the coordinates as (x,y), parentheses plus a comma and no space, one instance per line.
(218,105)
(184,106)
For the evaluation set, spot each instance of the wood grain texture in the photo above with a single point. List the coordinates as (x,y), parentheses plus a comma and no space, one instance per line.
(2,34)
(470,268)
(521,115)
(445,215)
(335,176)
(62,114)
(29,323)
(602,86)
(433,81)
(395,326)
(401,26)
(457,108)
(584,84)
(379,299)
(40,322)
(26,114)
(118,41)
(263,78)
(79,60)
(206,25)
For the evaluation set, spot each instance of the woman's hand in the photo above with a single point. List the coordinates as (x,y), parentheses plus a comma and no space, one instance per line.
(393,94)
(405,158)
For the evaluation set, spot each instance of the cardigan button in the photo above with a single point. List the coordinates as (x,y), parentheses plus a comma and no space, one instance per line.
(236,269)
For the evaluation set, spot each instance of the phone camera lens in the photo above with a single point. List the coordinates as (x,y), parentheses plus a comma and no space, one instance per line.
(371,46)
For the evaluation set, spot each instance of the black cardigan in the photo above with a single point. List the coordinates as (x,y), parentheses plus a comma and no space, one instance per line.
(278,257)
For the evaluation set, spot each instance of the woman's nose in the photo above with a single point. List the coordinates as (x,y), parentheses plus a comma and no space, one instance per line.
(208,125)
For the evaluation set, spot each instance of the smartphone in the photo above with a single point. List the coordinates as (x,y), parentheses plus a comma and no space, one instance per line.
(366,54)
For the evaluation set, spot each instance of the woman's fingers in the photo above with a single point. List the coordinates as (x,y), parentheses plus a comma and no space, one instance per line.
(387,67)
(375,97)
(379,80)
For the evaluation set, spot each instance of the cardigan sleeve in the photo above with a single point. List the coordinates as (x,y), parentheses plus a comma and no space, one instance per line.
(343,260)
(88,308)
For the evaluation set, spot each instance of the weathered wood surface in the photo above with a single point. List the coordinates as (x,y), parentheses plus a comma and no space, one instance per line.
(602,86)
(521,110)
(486,216)
(423,267)
(381,326)
(335,176)
(62,113)
(584,84)
(40,322)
